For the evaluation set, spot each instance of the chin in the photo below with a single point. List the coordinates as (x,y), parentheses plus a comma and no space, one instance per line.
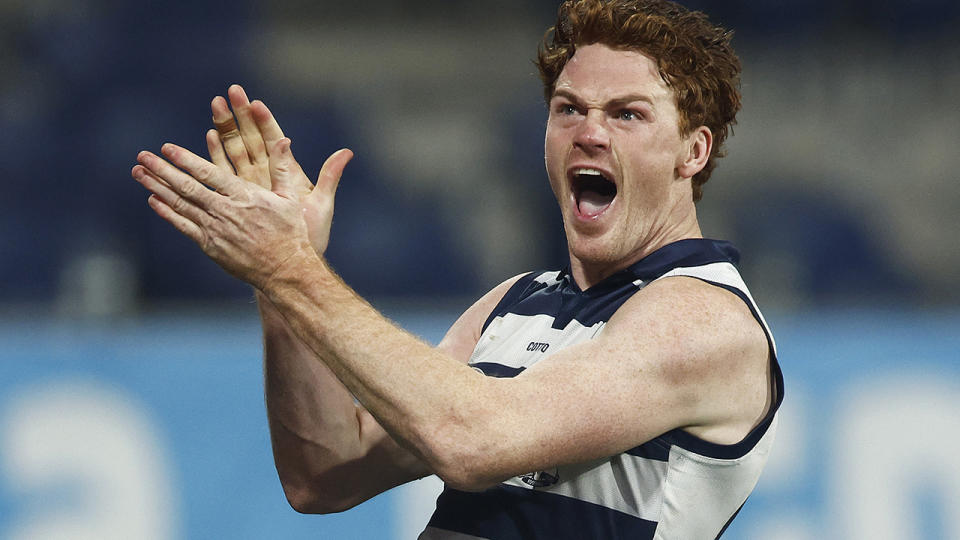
(592,251)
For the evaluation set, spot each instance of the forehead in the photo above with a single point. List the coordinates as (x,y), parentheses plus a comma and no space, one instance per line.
(598,73)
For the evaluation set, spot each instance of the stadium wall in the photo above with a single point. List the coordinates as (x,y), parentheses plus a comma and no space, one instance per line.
(154,428)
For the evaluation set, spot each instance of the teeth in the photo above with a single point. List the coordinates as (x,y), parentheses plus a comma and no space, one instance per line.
(591,172)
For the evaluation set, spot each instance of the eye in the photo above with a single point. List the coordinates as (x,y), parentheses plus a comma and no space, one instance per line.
(628,115)
(566,109)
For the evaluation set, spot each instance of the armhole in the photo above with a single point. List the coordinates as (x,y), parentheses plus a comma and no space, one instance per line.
(691,442)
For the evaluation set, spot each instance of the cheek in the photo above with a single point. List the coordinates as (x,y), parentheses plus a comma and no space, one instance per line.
(550,142)
(658,160)
(553,160)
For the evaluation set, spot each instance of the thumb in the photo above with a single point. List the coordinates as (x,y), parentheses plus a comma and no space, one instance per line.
(330,173)
(318,204)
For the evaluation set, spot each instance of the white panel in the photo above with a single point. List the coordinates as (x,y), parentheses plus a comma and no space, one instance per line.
(894,438)
(602,482)
(100,445)
(416,502)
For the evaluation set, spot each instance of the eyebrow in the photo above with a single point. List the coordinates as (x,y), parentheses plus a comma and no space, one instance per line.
(619,101)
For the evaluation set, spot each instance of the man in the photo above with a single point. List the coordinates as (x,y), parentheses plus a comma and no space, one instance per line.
(632,394)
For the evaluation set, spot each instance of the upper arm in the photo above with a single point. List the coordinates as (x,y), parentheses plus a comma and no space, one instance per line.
(679,354)
(463,335)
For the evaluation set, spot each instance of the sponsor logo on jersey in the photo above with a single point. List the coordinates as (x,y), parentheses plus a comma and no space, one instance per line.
(538,346)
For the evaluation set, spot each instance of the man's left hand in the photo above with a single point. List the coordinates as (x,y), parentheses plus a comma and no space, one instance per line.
(247,229)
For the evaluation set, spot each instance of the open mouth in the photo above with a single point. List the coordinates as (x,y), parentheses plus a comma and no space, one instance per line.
(593,191)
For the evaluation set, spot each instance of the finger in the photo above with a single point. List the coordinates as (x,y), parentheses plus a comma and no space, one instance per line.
(189,182)
(229,134)
(203,171)
(283,170)
(283,166)
(332,170)
(217,154)
(249,132)
(286,176)
(180,223)
(223,119)
(167,195)
(269,128)
(180,182)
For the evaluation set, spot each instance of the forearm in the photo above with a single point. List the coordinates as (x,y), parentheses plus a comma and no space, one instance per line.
(301,393)
(313,421)
(415,391)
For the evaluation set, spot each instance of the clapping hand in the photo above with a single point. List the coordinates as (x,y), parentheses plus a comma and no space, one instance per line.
(262,210)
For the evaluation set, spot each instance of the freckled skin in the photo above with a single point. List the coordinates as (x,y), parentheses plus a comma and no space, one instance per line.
(612,109)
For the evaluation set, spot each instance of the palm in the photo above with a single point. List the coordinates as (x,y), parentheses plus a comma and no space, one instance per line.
(250,143)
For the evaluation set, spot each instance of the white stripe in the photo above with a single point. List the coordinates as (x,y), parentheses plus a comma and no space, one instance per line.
(512,350)
(548,278)
(710,488)
(601,482)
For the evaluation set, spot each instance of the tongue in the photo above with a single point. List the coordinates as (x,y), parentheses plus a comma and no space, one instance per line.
(592,203)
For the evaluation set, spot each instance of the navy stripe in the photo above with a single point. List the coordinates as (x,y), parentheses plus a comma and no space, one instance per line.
(492,369)
(693,443)
(514,294)
(684,253)
(512,513)
(565,301)
(655,449)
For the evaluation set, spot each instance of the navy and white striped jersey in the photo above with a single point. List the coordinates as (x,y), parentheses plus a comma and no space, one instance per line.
(676,486)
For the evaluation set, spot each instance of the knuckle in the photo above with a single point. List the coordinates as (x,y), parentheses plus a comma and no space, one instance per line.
(282,167)
(179,205)
(234,146)
(205,172)
(188,189)
(206,244)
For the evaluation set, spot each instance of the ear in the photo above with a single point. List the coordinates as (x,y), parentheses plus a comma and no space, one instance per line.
(698,144)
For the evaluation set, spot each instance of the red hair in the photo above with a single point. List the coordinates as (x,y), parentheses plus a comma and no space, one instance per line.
(694,57)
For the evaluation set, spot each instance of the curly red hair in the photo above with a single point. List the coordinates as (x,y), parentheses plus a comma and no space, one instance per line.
(694,57)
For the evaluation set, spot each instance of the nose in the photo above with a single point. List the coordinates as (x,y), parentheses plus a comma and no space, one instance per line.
(592,134)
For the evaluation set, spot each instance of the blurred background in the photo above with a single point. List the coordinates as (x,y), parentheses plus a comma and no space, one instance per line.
(130,393)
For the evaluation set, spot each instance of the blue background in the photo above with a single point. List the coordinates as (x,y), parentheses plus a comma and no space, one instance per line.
(840,188)
(197,381)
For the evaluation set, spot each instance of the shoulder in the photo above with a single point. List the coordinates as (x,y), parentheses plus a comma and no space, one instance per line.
(704,342)
(463,335)
(690,310)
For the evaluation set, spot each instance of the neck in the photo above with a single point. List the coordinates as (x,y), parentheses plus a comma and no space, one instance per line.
(587,273)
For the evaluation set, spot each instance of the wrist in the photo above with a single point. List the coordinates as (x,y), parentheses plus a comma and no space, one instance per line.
(294,274)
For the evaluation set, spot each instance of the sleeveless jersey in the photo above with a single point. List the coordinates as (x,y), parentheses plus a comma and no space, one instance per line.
(675,486)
